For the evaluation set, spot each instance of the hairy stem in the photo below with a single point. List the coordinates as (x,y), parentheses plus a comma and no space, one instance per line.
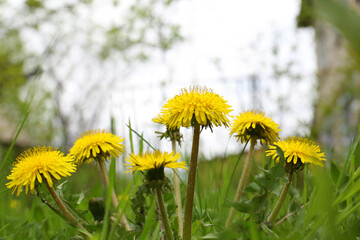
(164,216)
(69,217)
(189,200)
(281,200)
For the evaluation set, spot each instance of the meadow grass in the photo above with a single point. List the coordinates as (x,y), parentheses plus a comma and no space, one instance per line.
(323,203)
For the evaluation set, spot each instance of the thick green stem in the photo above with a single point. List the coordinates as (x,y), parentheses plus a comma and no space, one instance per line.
(69,217)
(114,199)
(177,193)
(164,216)
(242,182)
(189,200)
(281,200)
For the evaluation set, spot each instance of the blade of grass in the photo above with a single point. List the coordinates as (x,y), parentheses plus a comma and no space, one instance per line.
(156,233)
(131,137)
(13,141)
(347,160)
(344,214)
(232,174)
(254,233)
(222,164)
(140,136)
(141,144)
(122,205)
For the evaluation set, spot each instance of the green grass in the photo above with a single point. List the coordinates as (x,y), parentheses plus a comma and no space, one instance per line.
(323,203)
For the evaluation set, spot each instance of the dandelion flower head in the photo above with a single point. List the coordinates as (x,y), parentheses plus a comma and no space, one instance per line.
(296,150)
(159,119)
(96,144)
(153,160)
(254,124)
(35,164)
(198,104)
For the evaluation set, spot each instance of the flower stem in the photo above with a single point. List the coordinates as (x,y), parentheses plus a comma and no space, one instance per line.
(242,182)
(114,199)
(164,216)
(189,200)
(177,193)
(69,217)
(281,199)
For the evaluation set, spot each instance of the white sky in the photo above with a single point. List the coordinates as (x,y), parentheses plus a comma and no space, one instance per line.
(240,35)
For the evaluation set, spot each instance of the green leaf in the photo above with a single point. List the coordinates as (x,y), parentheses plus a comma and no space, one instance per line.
(347,160)
(233,171)
(342,16)
(334,171)
(349,191)
(240,206)
(149,222)
(156,232)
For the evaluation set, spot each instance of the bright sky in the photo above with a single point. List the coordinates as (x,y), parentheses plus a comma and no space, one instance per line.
(226,43)
(240,36)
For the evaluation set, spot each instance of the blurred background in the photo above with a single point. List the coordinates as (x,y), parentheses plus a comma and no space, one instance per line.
(75,65)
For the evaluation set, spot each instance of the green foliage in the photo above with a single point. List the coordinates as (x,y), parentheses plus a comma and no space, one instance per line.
(321,204)
(306,16)
(33,4)
(11,64)
(12,76)
(343,16)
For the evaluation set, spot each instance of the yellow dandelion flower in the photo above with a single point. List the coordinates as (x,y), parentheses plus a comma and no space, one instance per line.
(37,163)
(196,104)
(254,124)
(96,144)
(297,150)
(159,119)
(153,160)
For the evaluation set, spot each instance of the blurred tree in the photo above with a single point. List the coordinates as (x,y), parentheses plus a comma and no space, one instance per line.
(337,109)
(12,79)
(11,68)
(83,48)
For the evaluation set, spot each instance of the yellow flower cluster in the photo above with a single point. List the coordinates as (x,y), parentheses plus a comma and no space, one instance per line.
(193,105)
(96,145)
(153,160)
(297,149)
(196,104)
(37,163)
(254,124)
